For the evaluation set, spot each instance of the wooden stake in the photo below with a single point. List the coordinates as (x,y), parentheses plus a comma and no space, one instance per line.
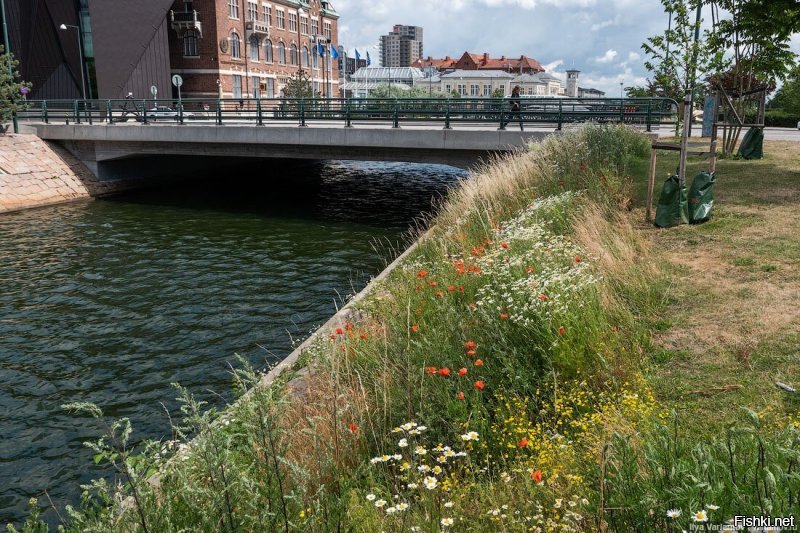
(651,183)
(687,118)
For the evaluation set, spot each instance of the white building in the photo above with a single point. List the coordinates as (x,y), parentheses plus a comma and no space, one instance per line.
(483,83)
(366,79)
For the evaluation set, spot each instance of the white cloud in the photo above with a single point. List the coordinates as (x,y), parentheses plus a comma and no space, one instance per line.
(608,57)
(633,56)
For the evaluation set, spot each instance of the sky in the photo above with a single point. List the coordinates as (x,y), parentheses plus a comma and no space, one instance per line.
(601,38)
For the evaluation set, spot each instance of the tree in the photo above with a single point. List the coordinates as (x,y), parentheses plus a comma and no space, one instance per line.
(787,98)
(498,93)
(676,58)
(299,86)
(385,90)
(11,99)
(756,38)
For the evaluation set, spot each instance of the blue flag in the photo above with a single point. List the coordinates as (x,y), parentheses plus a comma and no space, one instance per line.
(369,61)
(334,52)
(320,49)
(358,57)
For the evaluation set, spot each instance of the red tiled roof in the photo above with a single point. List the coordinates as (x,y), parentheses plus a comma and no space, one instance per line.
(482,62)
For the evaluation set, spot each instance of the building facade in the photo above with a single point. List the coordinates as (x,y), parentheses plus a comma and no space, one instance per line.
(250,49)
(521,65)
(485,83)
(402,47)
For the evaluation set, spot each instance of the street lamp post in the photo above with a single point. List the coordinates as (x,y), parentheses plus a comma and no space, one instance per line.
(7,52)
(64,27)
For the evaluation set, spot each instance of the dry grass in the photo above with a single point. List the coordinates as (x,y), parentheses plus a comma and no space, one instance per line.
(733,323)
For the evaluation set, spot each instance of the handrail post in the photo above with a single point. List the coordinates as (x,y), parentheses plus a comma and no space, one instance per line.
(649,115)
(621,111)
(447,114)
(347,118)
(77,115)
(109,111)
(88,109)
(502,116)
(219,112)
(560,117)
(144,112)
(302,112)
(259,117)
(395,117)
(180,113)
(44,112)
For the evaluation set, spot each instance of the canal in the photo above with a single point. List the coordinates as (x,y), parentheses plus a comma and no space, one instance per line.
(111,301)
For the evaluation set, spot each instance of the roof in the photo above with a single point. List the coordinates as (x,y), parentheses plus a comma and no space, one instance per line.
(371,85)
(529,78)
(387,73)
(439,64)
(477,74)
(483,62)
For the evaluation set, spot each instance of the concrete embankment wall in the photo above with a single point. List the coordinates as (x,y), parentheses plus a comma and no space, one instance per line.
(35,173)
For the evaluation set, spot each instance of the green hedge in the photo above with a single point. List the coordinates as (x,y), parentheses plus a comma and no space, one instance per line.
(777,118)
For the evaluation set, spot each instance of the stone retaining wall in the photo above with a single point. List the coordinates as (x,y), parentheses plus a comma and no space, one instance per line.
(34,173)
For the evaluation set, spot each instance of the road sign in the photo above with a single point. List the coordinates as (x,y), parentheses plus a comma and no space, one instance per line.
(24,90)
(154,91)
(177,81)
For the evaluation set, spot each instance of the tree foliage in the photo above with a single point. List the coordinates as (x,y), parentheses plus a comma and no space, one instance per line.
(299,86)
(386,90)
(787,98)
(11,99)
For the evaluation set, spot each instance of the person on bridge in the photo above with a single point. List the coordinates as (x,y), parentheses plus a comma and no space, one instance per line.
(516,109)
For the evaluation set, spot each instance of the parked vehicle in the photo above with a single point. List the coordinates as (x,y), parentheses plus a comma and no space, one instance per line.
(165,112)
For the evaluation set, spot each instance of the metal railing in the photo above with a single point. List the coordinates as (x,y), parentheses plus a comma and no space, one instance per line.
(643,112)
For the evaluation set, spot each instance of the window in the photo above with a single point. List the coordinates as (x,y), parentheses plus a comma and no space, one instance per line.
(256,87)
(314,59)
(293,22)
(462,89)
(473,89)
(280,15)
(270,87)
(252,11)
(326,29)
(530,90)
(233,9)
(254,48)
(314,27)
(281,53)
(268,15)
(304,25)
(304,57)
(487,90)
(236,46)
(293,54)
(237,86)
(449,88)
(267,51)
(190,44)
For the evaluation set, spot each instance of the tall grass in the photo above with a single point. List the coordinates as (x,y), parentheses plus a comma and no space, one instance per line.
(494,380)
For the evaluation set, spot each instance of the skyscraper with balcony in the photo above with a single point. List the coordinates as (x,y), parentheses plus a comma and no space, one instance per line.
(402,46)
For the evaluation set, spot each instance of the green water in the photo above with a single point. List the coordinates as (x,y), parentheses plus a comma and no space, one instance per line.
(110,301)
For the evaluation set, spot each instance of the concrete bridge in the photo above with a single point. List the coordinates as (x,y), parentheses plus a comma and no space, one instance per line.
(98,144)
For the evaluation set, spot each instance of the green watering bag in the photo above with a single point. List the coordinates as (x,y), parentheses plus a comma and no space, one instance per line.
(701,197)
(752,146)
(672,207)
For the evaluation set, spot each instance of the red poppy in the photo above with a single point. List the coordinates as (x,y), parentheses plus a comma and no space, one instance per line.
(529,270)
(434,283)
(339,331)
(462,372)
(363,336)
(505,246)
(444,372)
(431,370)
(543,297)
(451,288)
(537,476)
(560,183)
(440,294)
(348,326)
(561,330)
(577,259)
(584,166)
(460,289)
(614,329)
(333,337)
(353,428)
(479,362)
(523,443)
(469,345)
(415,328)
(503,316)
(479,385)
(471,353)
(460,395)
(422,274)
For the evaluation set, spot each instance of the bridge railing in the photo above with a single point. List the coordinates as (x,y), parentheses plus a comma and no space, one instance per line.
(645,112)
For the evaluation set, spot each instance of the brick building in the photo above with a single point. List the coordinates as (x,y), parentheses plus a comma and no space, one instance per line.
(250,49)
(519,65)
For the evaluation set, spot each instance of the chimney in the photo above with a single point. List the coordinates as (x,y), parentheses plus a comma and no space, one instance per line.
(485,57)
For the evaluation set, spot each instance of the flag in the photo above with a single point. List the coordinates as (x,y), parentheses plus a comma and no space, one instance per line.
(358,57)
(320,49)
(369,61)
(334,52)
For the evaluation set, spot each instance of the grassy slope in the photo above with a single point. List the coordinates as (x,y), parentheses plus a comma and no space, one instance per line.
(732,325)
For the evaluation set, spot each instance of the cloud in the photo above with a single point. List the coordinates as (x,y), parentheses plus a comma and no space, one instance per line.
(608,57)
